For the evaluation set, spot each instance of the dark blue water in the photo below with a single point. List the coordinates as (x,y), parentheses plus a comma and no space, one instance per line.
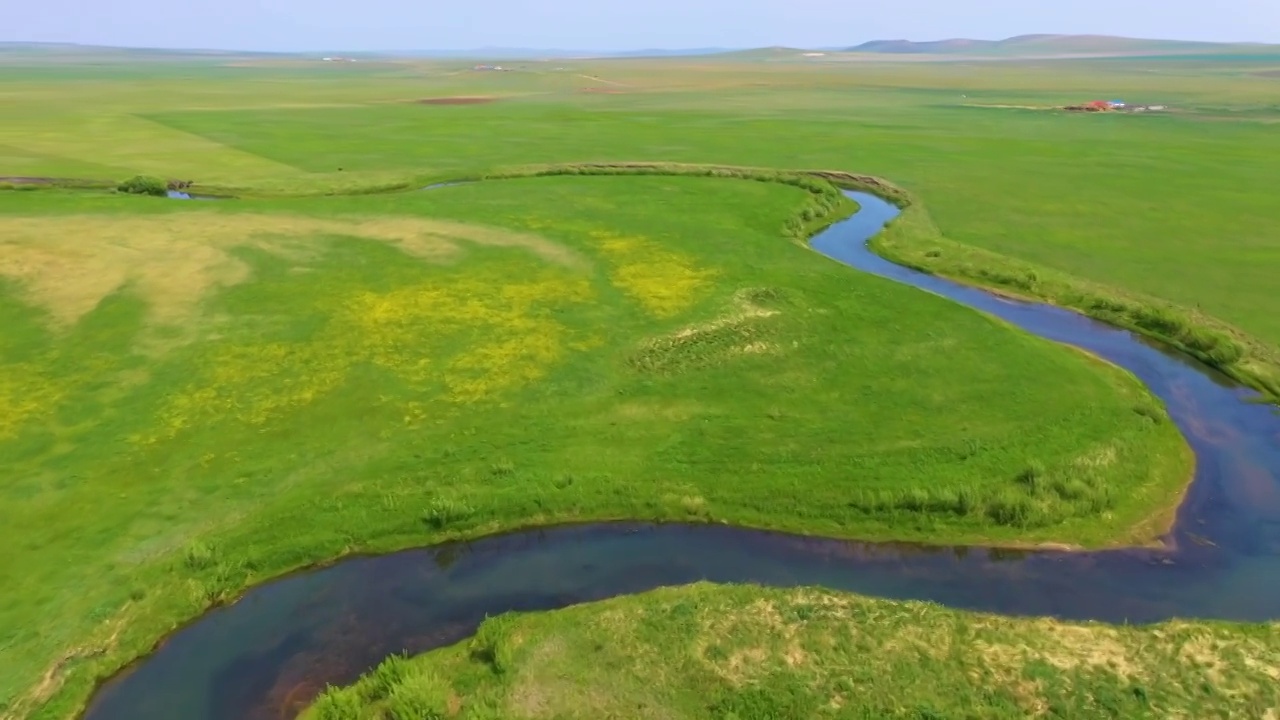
(267,655)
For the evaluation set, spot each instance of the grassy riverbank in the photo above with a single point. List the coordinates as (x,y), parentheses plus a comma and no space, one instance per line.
(719,652)
(277,382)
(915,242)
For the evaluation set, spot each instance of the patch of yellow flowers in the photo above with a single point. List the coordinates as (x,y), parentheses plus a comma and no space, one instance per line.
(665,283)
(462,341)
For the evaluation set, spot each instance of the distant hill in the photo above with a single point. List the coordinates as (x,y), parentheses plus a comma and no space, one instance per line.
(1058,45)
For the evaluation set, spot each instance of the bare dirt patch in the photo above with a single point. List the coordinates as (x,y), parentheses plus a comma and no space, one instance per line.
(67,265)
(458,100)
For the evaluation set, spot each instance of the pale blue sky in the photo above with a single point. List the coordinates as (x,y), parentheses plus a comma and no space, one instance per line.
(612,25)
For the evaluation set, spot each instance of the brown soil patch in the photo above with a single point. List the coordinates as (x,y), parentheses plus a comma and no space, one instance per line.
(458,100)
(28,180)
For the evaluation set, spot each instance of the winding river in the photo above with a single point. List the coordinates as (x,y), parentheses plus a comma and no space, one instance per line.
(267,655)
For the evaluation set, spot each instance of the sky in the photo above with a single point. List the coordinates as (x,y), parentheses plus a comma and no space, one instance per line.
(298,25)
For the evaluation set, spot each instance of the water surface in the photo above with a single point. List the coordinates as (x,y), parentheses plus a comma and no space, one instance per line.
(267,655)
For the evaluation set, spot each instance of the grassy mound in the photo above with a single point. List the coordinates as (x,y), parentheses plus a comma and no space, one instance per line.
(745,653)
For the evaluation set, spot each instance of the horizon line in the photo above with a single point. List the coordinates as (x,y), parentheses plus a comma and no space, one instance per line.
(599,51)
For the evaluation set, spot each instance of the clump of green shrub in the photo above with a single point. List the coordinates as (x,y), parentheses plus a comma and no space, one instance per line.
(1038,497)
(491,644)
(199,556)
(144,185)
(335,705)
(379,684)
(395,690)
(442,512)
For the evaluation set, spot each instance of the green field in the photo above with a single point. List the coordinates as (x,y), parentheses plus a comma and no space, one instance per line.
(195,397)
(1169,208)
(722,652)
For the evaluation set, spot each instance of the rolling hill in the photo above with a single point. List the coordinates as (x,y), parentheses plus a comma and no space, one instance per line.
(1058,45)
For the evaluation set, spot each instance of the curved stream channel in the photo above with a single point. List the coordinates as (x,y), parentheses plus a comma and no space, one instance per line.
(267,655)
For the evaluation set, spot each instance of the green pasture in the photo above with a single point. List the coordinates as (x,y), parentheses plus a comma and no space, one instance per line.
(207,394)
(195,397)
(1171,208)
(725,652)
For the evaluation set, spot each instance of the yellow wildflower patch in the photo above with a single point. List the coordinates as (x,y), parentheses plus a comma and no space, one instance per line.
(664,282)
(463,341)
(25,393)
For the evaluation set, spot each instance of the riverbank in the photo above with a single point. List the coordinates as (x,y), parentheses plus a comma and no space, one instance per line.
(372,514)
(712,651)
(914,241)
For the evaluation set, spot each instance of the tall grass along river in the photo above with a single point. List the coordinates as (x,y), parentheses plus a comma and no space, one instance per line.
(269,654)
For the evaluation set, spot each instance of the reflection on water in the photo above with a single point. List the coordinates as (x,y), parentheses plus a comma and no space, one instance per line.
(269,654)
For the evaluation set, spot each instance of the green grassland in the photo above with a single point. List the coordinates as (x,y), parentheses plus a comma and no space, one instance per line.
(206,395)
(195,397)
(1168,211)
(745,653)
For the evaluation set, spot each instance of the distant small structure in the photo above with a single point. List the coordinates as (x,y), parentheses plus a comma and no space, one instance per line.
(1094,106)
(1114,106)
(815,54)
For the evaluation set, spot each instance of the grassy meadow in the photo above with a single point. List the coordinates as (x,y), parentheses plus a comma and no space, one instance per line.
(211,393)
(1169,212)
(198,396)
(710,652)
